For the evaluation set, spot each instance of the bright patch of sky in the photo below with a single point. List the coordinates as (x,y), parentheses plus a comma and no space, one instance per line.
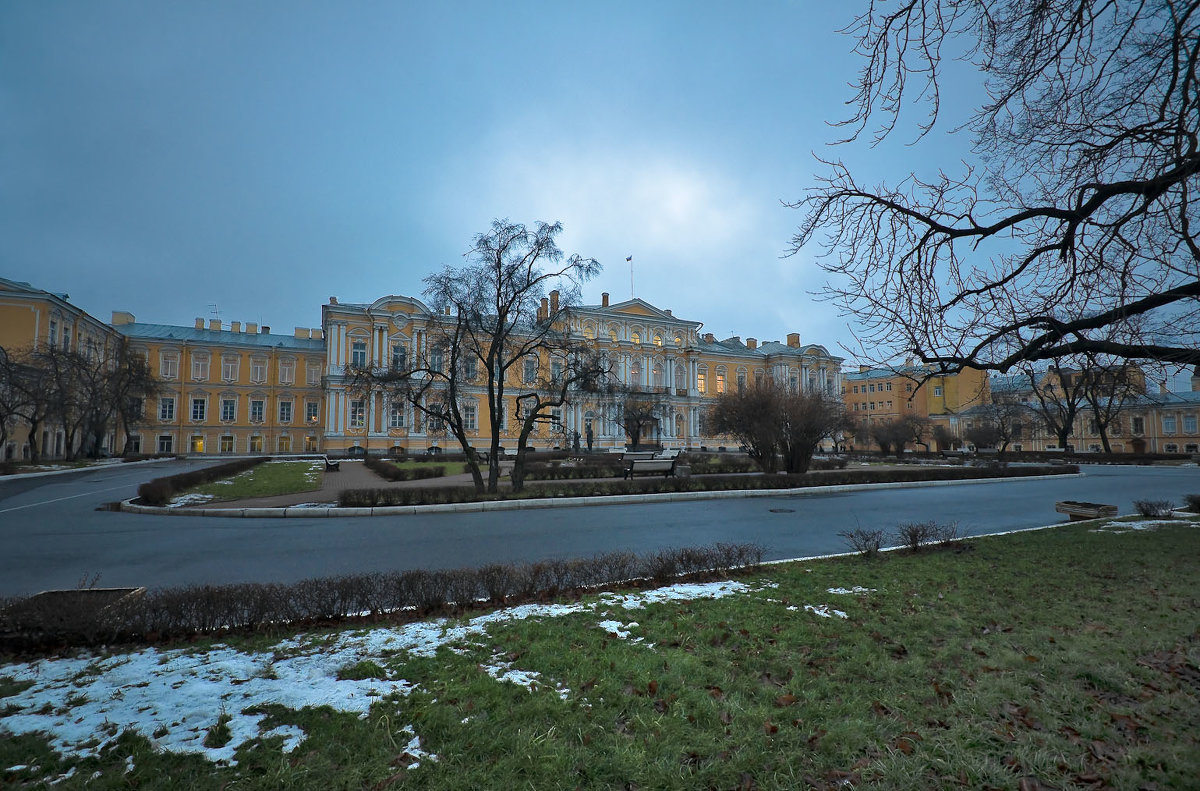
(165,158)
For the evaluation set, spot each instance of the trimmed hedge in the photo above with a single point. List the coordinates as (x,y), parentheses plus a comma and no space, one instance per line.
(32,623)
(160,491)
(370,498)
(385,469)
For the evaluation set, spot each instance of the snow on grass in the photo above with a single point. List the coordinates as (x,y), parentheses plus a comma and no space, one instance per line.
(194,498)
(856,590)
(824,611)
(1125,527)
(173,697)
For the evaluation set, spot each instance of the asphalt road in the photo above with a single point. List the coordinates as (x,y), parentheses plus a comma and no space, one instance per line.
(51,536)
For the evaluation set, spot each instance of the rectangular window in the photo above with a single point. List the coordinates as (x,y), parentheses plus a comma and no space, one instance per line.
(358,354)
(136,407)
(358,413)
(168,366)
(256,444)
(855,388)
(470,370)
(197,445)
(258,408)
(530,370)
(399,357)
(310,411)
(470,417)
(1189,424)
(1138,425)
(258,371)
(872,388)
(556,372)
(287,372)
(53,333)
(556,417)
(314,375)
(166,410)
(135,443)
(285,444)
(702,382)
(166,443)
(741,381)
(229,369)
(228,409)
(227,443)
(285,411)
(720,382)
(435,360)
(396,415)
(66,339)
(200,369)
(199,407)
(1168,422)
(937,392)
(794,384)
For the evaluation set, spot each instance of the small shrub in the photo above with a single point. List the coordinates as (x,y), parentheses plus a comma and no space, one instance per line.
(915,535)
(865,542)
(1153,507)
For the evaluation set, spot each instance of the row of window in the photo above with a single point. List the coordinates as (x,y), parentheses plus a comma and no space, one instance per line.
(227,443)
(887,387)
(231,369)
(229,408)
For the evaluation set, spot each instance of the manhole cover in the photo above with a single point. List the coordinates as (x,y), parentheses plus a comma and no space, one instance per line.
(783,510)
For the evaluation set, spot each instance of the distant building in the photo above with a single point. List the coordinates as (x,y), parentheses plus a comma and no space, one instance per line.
(237,388)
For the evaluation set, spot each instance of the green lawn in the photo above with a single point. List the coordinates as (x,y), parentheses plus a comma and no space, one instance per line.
(1063,658)
(264,480)
(452,468)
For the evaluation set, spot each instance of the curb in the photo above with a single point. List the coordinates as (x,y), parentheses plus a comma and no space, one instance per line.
(294,512)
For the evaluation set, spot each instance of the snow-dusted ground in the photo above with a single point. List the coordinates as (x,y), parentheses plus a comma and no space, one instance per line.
(311,475)
(173,697)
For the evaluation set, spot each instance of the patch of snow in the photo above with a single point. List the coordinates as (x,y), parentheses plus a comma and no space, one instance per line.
(847,591)
(824,611)
(190,499)
(621,630)
(1125,527)
(172,697)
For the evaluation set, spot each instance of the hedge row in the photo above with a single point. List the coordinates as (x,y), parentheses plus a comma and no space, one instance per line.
(160,491)
(371,498)
(390,472)
(171,613)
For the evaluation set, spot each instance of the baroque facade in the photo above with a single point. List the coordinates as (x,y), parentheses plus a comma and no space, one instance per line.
(237,388)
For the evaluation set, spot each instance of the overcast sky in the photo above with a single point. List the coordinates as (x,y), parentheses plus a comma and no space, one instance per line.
(164,158)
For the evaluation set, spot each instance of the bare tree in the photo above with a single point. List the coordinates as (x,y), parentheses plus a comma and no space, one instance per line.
(492,339)
(777,424)
(32,392)
(997,425)
(1107,386)
(899,433)
(1057,397)
(1074,232)
(637,411)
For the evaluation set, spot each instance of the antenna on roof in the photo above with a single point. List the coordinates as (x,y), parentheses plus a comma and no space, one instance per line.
(215,311)
(630,260)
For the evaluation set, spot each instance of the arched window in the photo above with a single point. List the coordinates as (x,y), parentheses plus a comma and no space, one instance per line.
(721,379)
(702,379)
(659,376)
(589,332)
(680,376)
(636,337)
(612,334)
(635,373)
(657,339)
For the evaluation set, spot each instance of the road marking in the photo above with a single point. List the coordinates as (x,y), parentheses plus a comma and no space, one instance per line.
(60,499)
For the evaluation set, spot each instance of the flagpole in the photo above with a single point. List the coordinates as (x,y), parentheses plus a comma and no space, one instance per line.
(631,292)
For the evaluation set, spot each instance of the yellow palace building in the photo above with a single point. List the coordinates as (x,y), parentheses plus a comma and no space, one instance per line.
(238,388)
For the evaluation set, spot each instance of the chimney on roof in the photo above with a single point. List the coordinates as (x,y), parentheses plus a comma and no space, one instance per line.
(120,317)
(333,300)
(265,330)
(793,339)
(735,338)
(199,323)
(669,313)
(708,338)
(862,369)
(446,310)
(214,324)
(1162,386)
(544,310)
(752,343)
(316,334)
(235,326)
(604,300)
(554,302)
(251,328)
(300,332)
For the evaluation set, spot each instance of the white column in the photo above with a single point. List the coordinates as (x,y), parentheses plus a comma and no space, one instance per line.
(372,423)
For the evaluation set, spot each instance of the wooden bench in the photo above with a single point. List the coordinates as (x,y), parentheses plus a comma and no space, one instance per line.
(1078,511)
(332,466)
(669,453)
(650,467)
(638,455)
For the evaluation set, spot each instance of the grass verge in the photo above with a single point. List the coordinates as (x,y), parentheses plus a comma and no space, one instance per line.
(266,480)
(1066,658)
